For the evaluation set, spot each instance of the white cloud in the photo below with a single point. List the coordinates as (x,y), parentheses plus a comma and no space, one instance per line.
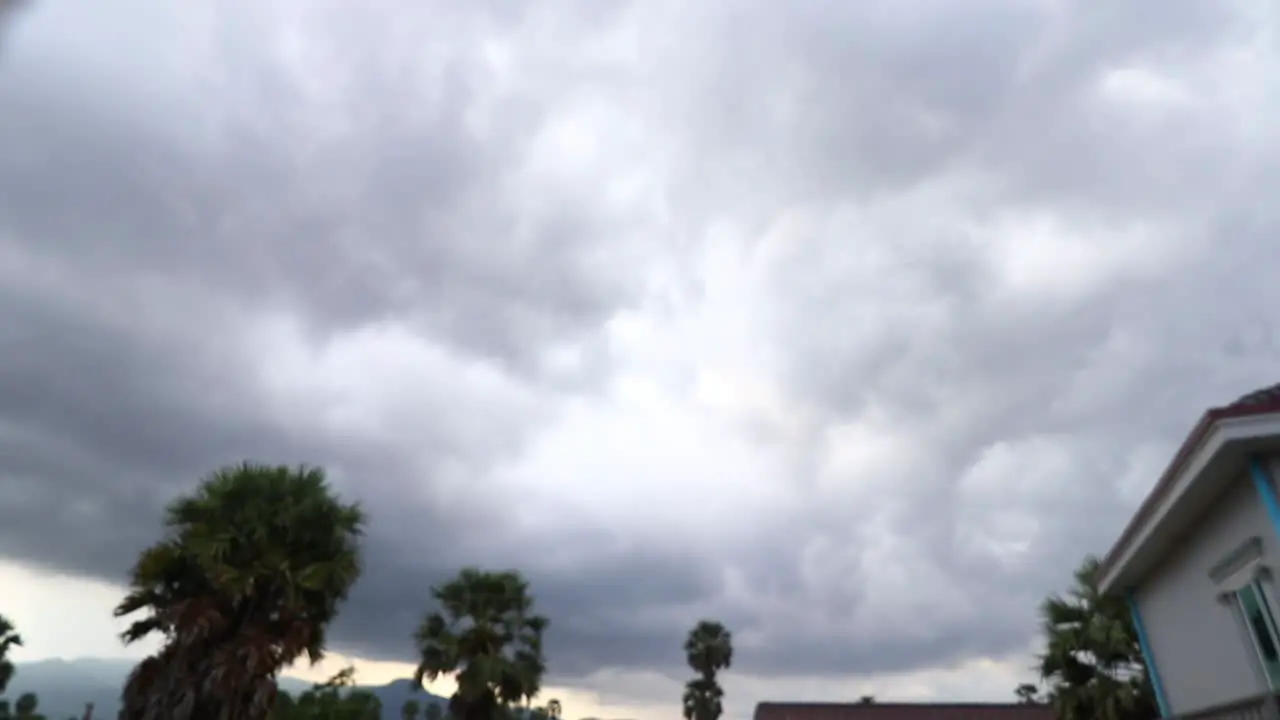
(63,616)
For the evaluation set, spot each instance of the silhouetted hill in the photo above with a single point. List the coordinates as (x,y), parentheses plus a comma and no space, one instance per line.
(64,686)
(394,694)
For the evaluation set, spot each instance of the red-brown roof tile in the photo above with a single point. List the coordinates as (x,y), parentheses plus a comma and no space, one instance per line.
(902,711)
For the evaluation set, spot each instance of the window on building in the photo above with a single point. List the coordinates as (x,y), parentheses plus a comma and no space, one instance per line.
(1261,624)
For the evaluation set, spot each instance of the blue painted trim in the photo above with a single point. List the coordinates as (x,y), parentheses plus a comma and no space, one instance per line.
(1152,674)
(1266,490)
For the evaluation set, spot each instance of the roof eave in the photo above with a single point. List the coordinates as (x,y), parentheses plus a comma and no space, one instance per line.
(1196,443)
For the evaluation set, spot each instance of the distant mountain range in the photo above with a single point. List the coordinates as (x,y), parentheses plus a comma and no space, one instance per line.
(64,686)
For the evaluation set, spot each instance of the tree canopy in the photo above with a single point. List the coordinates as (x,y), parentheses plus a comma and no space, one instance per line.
(485,633)
(708,650)
(1092,666)
(9,639)
(253,568)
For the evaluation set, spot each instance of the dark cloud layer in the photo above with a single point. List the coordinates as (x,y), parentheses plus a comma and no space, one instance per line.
(996,257)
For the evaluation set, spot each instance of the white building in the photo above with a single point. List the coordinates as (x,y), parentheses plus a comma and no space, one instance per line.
(1196,563)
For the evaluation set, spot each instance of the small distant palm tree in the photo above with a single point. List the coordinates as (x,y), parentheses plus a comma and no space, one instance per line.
(9,639)
(554,709)
(708,650)
(26,706)
(344,678)
(486,634)
(362,705)
(703,699)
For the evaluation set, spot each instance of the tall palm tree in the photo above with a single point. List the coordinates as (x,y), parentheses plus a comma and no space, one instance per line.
(1092,666)
(252,569)
(484,633)
(708,650)
(9,639)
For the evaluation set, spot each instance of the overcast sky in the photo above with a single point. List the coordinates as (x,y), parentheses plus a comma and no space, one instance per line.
(853,325)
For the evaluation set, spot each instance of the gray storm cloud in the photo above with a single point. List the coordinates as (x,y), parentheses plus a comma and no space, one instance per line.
(1019,245)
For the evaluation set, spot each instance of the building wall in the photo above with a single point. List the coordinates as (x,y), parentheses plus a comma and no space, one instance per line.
(1200,652)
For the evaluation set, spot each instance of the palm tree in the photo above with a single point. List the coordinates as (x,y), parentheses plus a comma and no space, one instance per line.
(344,678)
(337,698)
(250,573)
(25,707)
(410,709)
(485,633)
(708,649)
(554,709)
(1027,694)
(703,699)
(361,705)
(9,639)
(1092,665)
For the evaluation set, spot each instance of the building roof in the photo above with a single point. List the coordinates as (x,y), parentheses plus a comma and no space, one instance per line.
(902,711)
(1269,395)
(1259,402)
